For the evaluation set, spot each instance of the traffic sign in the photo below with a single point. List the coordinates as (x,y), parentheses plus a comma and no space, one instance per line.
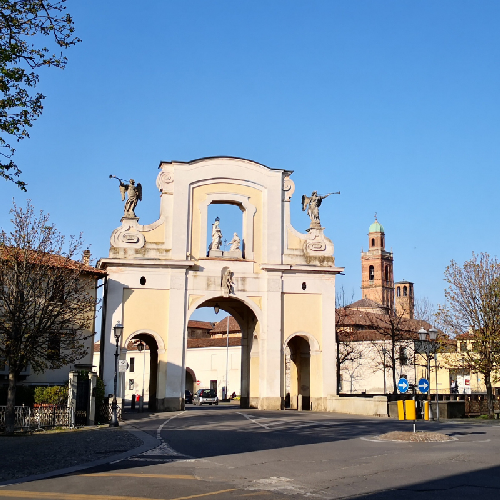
(403,385)
(122,365)
(423,385)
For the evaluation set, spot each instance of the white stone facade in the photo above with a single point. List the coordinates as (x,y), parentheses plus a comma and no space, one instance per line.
(283,286)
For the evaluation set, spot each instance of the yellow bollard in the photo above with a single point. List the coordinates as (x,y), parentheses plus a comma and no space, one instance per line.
(426,410)
(411,414)
(401,411)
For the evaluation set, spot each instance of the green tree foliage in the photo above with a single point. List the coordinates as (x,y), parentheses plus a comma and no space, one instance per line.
(472,311)
(23,23)
(47,301)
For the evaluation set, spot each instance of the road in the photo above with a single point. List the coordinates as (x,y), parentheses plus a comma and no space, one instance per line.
(224,453)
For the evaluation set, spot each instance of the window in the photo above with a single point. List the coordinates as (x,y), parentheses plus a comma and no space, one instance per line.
(371,273)
(398,291)
(386,273)
(373,242)
(405,291)
(463,346)
(132,365)
(130,384)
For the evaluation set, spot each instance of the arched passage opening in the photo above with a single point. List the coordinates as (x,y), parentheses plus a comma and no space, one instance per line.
(298,372)
(221,361)
(190,380)
(143,369)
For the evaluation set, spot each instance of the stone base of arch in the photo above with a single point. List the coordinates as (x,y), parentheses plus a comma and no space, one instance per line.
(170,404)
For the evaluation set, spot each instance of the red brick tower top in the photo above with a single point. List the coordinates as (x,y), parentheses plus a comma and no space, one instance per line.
(377,278)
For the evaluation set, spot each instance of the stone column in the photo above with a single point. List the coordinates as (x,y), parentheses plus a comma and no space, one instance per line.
(91,404)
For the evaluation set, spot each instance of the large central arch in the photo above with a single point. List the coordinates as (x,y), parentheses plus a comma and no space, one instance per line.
(279,284)
(245,314)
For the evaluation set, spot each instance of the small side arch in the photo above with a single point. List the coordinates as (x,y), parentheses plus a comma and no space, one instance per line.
(159,341)
(313,343)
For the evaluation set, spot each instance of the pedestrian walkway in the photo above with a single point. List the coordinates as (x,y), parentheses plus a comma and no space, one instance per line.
(42,453)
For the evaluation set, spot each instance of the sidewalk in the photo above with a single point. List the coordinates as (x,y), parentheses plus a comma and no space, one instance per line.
(44,452)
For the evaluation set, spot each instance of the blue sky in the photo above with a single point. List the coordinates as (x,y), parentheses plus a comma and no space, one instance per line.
(394,103)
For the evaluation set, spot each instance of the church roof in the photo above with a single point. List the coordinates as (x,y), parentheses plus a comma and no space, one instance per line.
(376,227)
(365,304)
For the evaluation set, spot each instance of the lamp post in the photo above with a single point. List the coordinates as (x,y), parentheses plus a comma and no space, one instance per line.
(141,348)
(117,330)
(384,352)
(227,353)
(429,346)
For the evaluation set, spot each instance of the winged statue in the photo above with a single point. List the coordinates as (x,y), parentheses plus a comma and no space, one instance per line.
(312,204)
(133,193)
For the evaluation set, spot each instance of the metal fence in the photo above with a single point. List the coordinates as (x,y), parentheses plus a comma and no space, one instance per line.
(42,417)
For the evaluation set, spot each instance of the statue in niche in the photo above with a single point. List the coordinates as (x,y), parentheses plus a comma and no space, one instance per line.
(227,281)
(216,236)
(134,195)
(235,243)
(312,205)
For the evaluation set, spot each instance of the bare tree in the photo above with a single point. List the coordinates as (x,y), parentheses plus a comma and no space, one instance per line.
(473,306)
(348,350)
(47,299)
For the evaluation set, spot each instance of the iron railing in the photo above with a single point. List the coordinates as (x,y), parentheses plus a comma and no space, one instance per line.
(41,417)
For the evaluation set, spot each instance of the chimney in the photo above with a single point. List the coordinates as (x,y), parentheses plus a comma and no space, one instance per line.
(86,257)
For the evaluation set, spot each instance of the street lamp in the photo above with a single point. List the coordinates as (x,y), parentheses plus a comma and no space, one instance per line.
(117,330)
(140,347)
(216,308)
(384,352)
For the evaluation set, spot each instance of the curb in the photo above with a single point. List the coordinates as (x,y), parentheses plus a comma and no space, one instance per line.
(149,442)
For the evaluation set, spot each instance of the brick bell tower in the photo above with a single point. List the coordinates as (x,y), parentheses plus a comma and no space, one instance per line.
(377,278)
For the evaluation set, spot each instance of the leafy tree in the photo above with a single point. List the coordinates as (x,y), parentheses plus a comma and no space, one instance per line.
(47,299)
(473,308)
(22,24)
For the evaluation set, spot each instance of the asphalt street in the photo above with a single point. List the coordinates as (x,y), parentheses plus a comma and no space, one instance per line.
(222,452)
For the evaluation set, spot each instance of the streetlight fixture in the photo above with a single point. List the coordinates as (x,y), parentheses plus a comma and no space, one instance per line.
(141,347)
(117,330)
(216,308)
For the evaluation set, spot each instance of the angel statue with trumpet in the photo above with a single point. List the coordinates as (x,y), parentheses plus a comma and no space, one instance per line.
(312,205)
(134,195)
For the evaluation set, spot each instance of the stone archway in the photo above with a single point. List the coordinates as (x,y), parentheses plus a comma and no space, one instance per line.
(249,325)
(298,372)
(283,282)
(190,380)
(146,368)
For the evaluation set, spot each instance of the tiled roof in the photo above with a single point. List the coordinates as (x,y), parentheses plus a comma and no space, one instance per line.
(220,342)
(354,325)
(46,259)
(202,325)
(366,304)
(221,326)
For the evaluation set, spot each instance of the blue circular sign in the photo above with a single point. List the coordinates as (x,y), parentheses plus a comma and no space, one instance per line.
(423,385)
(403,385)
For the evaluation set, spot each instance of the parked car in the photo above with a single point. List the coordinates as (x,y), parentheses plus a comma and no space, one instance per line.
(206,396)
(188,398)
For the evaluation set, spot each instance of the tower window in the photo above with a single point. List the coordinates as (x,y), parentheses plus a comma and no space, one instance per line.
(373,242)
(386,273)
(405,291)
(371,273)
(398,291)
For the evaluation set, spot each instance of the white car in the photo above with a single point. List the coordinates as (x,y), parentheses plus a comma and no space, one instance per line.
(205,396)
